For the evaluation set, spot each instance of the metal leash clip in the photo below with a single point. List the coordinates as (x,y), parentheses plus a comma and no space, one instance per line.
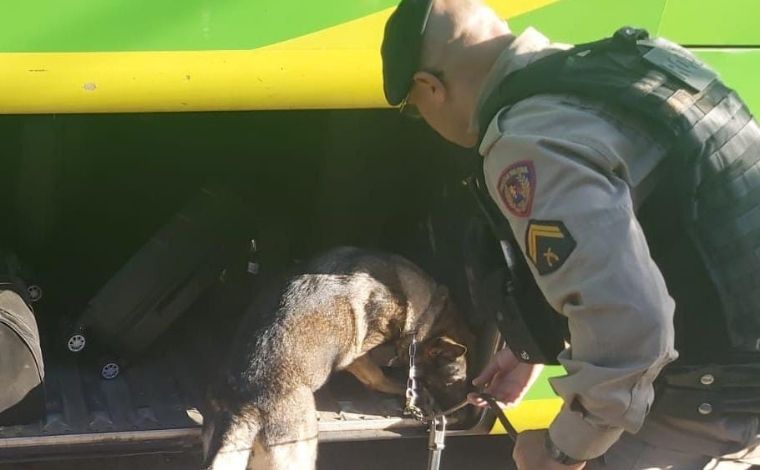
(436,440)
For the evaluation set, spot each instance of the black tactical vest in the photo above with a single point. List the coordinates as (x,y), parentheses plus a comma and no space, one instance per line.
(702,220)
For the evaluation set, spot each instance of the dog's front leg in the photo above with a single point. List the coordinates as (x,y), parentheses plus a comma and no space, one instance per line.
(373,377)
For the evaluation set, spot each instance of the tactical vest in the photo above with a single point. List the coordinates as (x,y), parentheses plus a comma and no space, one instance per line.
(706,203)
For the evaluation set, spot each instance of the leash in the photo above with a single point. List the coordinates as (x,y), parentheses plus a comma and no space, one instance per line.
(412,407)
(494,405)
(437,422)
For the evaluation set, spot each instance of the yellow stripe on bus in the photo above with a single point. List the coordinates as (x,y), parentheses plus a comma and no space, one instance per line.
(188,81)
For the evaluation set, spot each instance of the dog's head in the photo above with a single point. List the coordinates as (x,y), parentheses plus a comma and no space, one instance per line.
(442,355)
(442,365)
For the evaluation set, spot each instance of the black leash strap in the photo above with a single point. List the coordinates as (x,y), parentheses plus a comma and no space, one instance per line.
(494,405)
(511,431)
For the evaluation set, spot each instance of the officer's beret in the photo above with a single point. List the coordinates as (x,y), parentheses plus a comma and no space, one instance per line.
(402,47)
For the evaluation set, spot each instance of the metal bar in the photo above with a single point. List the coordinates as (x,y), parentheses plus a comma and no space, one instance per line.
(98,438)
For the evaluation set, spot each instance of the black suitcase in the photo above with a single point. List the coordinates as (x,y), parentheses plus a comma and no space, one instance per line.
(166,276)
(22,370)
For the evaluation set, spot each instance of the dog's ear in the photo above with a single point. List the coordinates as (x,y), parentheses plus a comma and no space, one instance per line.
(446,348)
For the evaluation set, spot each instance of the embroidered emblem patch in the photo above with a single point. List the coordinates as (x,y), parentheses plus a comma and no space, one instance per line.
(517,184)
(548,244)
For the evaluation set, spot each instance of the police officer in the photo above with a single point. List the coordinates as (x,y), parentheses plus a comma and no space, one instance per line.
(576,177)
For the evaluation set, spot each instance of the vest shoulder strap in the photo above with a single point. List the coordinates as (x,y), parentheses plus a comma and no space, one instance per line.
(627,69)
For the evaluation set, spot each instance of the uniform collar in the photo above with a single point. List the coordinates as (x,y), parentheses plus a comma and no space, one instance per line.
(528,47)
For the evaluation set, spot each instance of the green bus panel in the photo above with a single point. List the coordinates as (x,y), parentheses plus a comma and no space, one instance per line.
(168,25)
(577,21)
(712,23)
(542,390)
(739,69)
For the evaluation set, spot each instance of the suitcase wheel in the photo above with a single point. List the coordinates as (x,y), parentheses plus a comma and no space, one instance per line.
(76,342)
(109,368)
(35,293)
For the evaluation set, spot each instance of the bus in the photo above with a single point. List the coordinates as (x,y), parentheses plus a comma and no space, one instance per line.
(114,114)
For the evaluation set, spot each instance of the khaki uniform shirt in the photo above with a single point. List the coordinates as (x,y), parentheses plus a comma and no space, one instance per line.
(567,173)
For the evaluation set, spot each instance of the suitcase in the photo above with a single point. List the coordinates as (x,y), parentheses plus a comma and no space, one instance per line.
(22,370)
(165,277)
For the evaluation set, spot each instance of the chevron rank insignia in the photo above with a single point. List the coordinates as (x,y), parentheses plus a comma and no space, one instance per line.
(548,244)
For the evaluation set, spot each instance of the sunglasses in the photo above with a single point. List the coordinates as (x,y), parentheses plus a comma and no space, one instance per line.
(411,111)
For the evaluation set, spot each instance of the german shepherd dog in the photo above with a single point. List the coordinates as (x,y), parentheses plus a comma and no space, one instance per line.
(327,316)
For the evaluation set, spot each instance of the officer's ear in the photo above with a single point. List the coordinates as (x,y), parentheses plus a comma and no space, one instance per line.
(429,86)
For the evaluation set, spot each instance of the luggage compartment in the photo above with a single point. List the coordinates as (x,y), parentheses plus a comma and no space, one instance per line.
(87,191)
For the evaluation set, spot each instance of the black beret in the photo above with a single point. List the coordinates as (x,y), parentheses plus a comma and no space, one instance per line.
(402,47)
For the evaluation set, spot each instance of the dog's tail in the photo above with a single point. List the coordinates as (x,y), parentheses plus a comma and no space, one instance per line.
(228,439)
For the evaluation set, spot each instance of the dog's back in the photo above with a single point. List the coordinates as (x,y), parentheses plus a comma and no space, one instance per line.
(324,315)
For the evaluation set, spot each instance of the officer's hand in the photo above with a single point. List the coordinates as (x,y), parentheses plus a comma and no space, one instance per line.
(530,453)
(505,378)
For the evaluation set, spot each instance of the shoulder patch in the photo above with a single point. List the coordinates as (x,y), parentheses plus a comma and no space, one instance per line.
(517,185)
(548,245)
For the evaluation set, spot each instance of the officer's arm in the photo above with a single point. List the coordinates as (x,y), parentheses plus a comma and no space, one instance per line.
(575,222)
